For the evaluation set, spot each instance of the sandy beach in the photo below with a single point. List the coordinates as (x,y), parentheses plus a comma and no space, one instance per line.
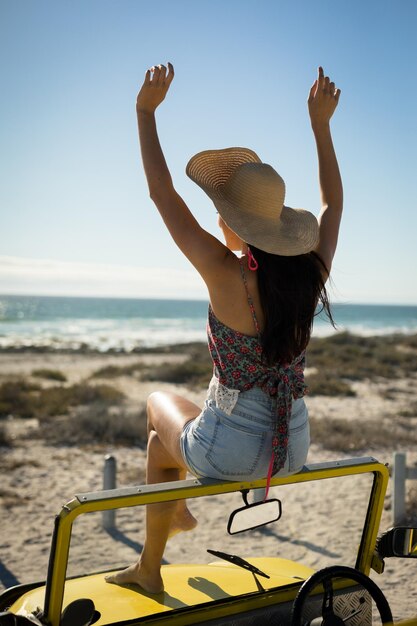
(48,456)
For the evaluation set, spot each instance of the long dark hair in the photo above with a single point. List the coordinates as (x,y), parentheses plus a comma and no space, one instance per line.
(292,292)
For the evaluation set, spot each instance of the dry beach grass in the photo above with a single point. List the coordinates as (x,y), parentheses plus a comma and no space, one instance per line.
(60,413)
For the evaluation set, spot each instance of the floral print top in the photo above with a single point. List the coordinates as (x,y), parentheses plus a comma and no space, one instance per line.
(238,365)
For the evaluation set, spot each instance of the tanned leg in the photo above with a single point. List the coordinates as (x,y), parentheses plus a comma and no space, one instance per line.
(167,415)
(158,407)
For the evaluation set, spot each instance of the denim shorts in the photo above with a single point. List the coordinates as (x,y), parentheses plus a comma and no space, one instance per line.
(239,446)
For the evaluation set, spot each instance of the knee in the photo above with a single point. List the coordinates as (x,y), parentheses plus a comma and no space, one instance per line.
(158,456)
(150,409)
(150,401)
(153,452)
(153,441)
(154,399)
(155,449)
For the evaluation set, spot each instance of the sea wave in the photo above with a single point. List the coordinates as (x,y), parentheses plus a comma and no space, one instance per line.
(101,335)
(363,330)
(129,325)
(120,336)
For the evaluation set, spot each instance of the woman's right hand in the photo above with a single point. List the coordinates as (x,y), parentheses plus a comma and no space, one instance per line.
(322,100)
(154,88)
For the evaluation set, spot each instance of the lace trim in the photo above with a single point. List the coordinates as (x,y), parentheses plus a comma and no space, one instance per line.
(224,397)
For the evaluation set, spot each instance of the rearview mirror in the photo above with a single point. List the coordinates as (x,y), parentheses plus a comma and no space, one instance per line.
(400,541)
(254,515)
(404,542)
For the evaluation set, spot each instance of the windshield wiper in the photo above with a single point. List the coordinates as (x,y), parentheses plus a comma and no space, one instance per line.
(237,560)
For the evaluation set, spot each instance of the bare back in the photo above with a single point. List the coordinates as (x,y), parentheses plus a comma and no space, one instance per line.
(228,296)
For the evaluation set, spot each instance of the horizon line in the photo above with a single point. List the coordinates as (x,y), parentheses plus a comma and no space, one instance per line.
(184,299)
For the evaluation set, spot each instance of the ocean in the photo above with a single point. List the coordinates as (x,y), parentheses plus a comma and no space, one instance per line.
(126,324)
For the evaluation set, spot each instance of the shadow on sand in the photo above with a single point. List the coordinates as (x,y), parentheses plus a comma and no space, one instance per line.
(7,577)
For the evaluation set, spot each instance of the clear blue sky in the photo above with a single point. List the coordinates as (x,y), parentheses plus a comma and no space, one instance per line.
(75,216)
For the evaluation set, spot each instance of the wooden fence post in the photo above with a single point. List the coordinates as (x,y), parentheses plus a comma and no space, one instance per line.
(398,494)
(109,482)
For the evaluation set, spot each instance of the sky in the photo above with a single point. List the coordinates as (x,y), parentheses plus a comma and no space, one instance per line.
(75,214)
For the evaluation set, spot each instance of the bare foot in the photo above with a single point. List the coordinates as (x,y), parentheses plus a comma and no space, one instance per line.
(135,574)
(182,521)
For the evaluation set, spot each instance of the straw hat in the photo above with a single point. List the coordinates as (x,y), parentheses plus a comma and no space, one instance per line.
(249,195)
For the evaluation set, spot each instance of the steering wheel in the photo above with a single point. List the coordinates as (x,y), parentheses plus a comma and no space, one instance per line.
(329,618)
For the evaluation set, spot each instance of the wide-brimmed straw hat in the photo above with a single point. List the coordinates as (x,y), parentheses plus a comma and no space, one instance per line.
(249,195)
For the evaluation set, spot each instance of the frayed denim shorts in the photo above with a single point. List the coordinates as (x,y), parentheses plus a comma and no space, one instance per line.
(239,446)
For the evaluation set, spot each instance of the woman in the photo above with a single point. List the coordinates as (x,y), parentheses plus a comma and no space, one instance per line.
(254,423)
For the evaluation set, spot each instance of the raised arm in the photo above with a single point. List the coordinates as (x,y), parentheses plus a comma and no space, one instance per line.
(201,248)
(322,102)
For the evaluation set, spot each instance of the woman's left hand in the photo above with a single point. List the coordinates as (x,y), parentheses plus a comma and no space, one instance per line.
(323,100)
(154,88)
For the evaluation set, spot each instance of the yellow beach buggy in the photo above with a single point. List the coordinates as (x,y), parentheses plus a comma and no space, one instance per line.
(296,582)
